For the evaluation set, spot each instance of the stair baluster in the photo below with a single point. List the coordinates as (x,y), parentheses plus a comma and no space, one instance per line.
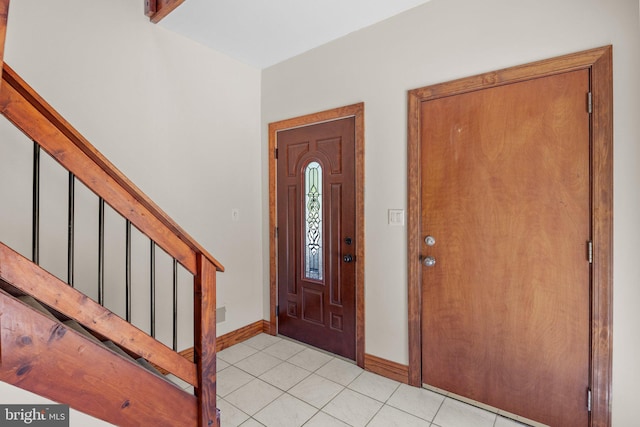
(128,271)
(101,251)
(175,305)
(71,228)
(35,218)
(152,302)
(22,106)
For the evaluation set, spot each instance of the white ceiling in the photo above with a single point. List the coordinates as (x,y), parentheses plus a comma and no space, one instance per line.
(264,32)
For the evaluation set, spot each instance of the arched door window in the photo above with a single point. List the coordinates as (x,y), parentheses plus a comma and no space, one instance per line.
(313,221)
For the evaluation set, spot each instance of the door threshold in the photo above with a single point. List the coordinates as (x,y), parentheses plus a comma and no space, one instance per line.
(485,407)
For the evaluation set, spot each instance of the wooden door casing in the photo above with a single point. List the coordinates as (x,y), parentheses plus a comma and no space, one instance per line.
(599,64)
(357,112)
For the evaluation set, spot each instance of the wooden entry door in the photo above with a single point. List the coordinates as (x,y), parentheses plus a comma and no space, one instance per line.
(317,242)
(505,196)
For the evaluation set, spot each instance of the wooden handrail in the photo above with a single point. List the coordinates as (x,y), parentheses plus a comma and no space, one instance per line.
(31,279)
(47,358)
(22,106)
(40,122)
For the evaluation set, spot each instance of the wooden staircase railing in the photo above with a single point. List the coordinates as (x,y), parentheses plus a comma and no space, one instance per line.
(22,106)
(41,355)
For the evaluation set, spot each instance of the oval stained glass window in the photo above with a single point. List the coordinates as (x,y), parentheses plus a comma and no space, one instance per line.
(313,221)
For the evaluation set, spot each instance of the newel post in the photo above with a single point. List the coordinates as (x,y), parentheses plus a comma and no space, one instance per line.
(204,341)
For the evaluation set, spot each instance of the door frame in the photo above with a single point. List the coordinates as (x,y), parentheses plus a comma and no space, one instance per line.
(599,63)
(356,111)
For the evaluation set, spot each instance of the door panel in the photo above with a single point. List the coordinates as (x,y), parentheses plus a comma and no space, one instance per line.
(505,193)
(317,303)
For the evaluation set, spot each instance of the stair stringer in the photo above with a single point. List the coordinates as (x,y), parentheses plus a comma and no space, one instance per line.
(47,358)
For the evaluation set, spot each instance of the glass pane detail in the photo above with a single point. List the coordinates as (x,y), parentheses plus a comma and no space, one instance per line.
(313,221)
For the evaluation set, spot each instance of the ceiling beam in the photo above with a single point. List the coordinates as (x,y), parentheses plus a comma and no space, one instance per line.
(158,9)
(4,12)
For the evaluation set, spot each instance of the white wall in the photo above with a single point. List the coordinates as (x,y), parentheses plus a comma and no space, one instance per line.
(181,121)
(186,124)
(437,42)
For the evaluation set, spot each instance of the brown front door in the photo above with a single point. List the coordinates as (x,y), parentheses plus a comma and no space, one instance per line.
(316,235)
(506,198)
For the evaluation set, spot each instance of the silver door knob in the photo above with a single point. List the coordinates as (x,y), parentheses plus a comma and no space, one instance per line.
(429,261)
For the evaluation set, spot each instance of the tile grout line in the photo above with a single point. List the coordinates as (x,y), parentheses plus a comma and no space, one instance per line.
(252,416)
(348,386)
(439,408)
(330,400)
(385,403)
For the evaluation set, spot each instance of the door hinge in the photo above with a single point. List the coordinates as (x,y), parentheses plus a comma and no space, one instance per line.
(589,102)
(589,399)
(275,232)
(590,251)
(277,310)
(275,153)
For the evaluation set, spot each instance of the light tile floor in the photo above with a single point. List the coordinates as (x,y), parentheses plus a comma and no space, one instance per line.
(275,382)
